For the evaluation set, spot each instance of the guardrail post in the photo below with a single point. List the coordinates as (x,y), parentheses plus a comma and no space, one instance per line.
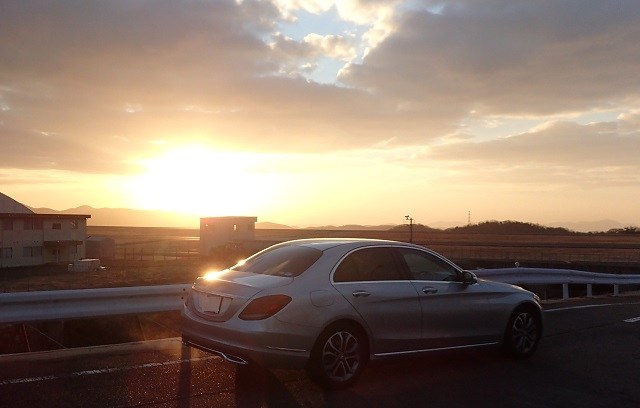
(589,290)
(616,290)
(565,291)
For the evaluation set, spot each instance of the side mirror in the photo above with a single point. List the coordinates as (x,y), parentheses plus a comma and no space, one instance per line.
(469,278)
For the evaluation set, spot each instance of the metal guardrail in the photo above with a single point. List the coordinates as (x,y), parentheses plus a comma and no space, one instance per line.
(564,277)
(23,307)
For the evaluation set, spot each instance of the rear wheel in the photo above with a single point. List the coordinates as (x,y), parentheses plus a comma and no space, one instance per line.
(338,357)
(523,333)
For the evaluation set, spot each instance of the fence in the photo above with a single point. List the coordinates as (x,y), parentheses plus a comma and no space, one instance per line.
(564,277)
(70,304)
(540,254)
(142,253)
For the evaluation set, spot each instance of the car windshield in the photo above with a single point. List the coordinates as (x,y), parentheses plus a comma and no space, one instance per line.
(281,261)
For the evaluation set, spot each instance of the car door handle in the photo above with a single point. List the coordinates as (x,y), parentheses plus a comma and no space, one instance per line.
(429,290)
(360,293)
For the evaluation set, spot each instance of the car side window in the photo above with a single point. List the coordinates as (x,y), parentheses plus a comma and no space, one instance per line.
(369,264)
(425,266)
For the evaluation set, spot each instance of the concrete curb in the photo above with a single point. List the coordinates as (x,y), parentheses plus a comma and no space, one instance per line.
(173,343)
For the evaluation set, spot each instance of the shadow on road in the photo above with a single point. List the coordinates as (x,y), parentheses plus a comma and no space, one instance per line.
(259,387)
(388,383)
(184,380)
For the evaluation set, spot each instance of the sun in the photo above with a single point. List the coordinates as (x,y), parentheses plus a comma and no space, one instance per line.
(200,181)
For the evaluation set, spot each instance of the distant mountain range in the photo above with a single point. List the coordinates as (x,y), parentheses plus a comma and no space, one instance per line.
(127,217)
(150,218)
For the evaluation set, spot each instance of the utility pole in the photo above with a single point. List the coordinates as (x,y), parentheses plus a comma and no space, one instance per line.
(408,218)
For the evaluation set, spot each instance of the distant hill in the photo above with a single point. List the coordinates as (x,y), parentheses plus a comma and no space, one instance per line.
(416,228)
(125,217)
(517,227)
(271,225)
(508,227)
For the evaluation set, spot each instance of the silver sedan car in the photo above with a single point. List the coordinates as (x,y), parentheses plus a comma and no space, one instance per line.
(331,305)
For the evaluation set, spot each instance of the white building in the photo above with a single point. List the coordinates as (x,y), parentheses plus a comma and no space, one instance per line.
(216,232)
(28,239)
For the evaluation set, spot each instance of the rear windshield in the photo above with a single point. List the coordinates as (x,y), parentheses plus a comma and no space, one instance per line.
(281,261)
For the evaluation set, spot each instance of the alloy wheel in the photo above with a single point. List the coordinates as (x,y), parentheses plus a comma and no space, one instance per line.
(341,357)
(524,333)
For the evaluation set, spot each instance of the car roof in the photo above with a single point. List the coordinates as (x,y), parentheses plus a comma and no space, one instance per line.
(323,244)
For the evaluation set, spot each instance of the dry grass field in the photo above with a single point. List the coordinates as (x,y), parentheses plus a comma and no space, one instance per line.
(609,253)
(156,256)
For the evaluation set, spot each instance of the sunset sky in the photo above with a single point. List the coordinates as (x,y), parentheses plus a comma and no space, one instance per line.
(313,112)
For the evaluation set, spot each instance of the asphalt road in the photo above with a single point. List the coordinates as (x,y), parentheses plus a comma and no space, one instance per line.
(589,357)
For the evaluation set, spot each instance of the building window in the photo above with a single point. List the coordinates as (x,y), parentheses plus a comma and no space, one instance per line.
(31,252)
(57,225)
(7,224)
(32,224)
(6,253)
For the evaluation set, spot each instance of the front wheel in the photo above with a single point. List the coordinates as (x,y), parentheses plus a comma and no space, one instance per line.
(338,357)
(523,333)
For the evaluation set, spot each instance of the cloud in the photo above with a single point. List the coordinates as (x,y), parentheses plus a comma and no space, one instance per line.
(313,47)
(302,58)
(508,57)
(334,46)
(557,143)
(90,85)
(100,73)
(45,150)
(287,7)
(91,71)
(602,154)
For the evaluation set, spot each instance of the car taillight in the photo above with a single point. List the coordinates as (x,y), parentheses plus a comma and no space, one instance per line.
(264,307)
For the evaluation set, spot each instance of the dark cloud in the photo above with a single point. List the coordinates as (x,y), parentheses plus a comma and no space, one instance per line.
(139,51)
(509,57)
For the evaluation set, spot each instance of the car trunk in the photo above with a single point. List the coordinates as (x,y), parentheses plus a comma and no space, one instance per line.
(219,298)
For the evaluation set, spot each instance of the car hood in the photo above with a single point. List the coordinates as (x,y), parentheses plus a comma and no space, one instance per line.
(500,287)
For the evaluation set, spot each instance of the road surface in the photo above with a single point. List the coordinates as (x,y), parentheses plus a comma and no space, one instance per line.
(589,357)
